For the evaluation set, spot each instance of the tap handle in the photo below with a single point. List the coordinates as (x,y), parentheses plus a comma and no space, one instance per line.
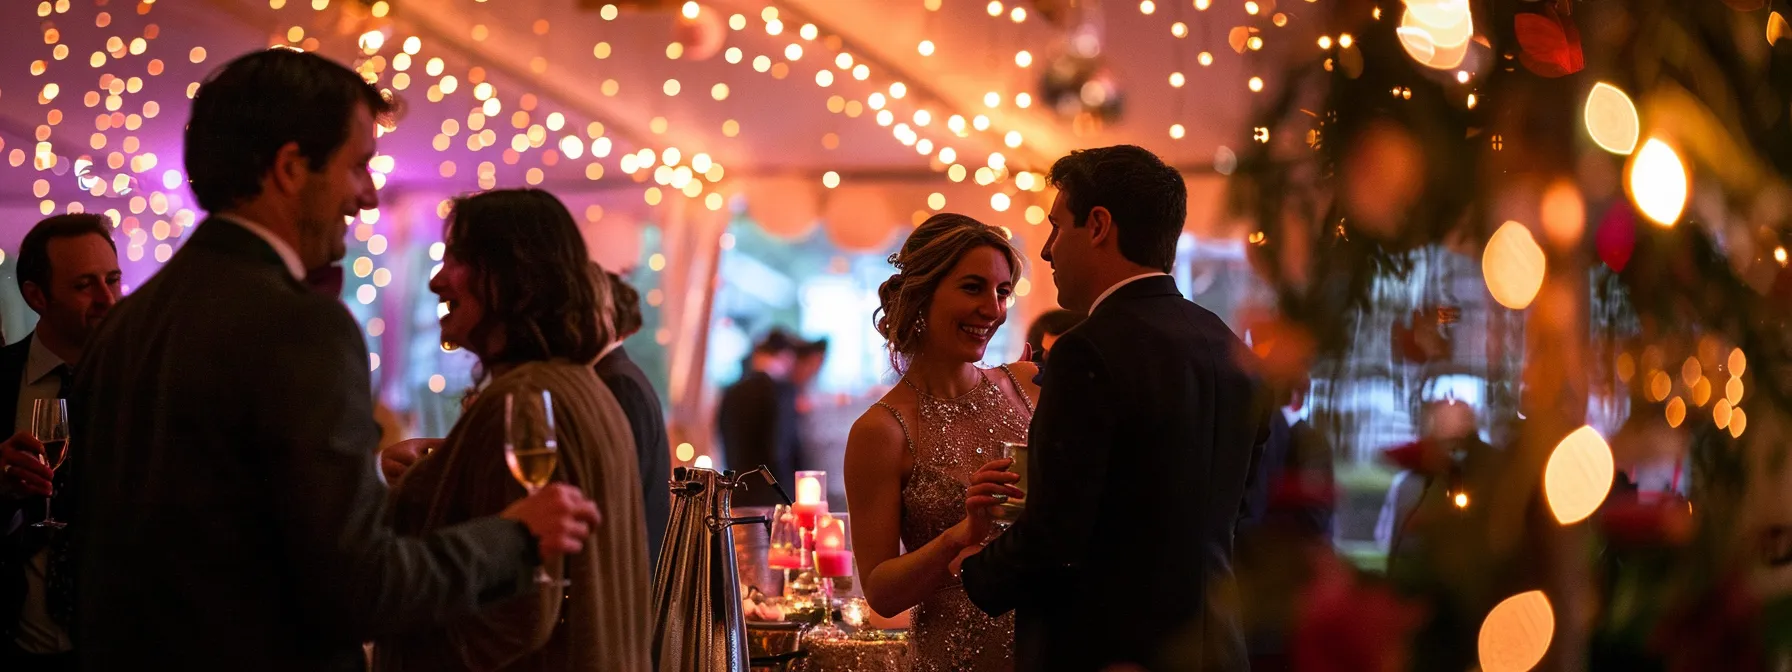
(745,520)
(766,473)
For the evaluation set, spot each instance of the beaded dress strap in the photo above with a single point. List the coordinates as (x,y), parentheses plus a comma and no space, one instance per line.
(904,424)
(1018,389)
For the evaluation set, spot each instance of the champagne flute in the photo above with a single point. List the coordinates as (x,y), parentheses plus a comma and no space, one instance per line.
(786,552)
(1009,510)
(49,425)
(532,449)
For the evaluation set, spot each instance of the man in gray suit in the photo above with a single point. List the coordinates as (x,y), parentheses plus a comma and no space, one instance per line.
(225,440)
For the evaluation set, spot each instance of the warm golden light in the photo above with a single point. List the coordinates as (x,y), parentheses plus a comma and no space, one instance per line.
(1721,413)
(1611,119)
(1461,500)
(1657,182)
(1738,423)
(1676,412)
(1659,386)
(1517,633)
(1513,266)
(1738,362)
(1256,83)
(1733,391)
(1701,392)
(1564,214)
(1579,474)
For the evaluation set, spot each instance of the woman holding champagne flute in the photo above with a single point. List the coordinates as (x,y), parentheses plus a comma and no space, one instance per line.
(520,295)
(909,459)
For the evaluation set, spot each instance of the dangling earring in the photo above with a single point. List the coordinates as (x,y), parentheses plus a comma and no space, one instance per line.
(920,326)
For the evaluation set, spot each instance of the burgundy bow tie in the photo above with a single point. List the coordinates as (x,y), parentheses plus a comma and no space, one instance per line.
(326,280)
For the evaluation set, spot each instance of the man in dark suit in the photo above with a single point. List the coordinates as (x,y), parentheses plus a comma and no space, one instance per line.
(1139,450)
(231,517)
(68,274)
(641,404)
(758,422)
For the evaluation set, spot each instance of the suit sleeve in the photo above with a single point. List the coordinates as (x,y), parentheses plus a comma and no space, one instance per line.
(1069,454)
(349,569)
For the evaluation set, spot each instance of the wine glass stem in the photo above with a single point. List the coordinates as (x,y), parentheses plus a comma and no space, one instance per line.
(47,516)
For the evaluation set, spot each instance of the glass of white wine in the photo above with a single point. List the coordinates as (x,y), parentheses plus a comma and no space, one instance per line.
(531,449)
(1009,510)
(49,425)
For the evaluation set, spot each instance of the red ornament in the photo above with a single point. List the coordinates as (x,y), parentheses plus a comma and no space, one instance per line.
(1549,43)
(1632,522)
(1345,624)
(1423,456)
(1616,237)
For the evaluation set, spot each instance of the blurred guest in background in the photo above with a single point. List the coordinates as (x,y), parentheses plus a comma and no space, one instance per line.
(522,295)
(1046,329)
(810,356)
(1287,525)
(641,403)
(68,274)
(757,419)
(1292,487)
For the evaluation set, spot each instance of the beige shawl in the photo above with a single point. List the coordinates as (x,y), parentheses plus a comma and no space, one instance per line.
(603,621)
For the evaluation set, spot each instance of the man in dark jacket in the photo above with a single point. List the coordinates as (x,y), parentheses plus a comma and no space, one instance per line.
(641,404)
(230,512)
(1139,450)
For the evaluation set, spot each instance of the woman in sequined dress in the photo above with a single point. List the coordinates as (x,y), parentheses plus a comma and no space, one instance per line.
(909,457)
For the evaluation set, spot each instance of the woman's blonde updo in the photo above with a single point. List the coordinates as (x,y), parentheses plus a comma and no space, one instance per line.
(926,257)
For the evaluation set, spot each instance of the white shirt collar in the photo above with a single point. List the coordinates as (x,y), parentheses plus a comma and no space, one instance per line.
(612,347)
(1118,285)
(287,255)
(40,362)
(1291,415)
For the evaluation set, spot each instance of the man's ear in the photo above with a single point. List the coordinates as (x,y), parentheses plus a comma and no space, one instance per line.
(290,171)
(1100,223)
(34,297)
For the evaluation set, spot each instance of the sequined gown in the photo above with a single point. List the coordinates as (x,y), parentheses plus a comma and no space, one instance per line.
(951,439)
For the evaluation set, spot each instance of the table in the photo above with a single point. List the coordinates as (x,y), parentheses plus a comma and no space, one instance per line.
(889,653)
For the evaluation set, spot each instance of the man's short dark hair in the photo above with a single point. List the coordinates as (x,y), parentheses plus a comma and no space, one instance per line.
(776,342)
(626,301)
(1147,199)
(244,113)
(815,348)
(1054,322)
(34,251)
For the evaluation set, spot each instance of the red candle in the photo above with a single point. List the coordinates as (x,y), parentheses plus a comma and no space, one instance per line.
(786,557)
(833,564)
(809,501)
(831,557)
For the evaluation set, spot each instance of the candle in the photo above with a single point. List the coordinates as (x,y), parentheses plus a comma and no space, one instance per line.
(786,557)
(810,498)
(831,557)
(808,490)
